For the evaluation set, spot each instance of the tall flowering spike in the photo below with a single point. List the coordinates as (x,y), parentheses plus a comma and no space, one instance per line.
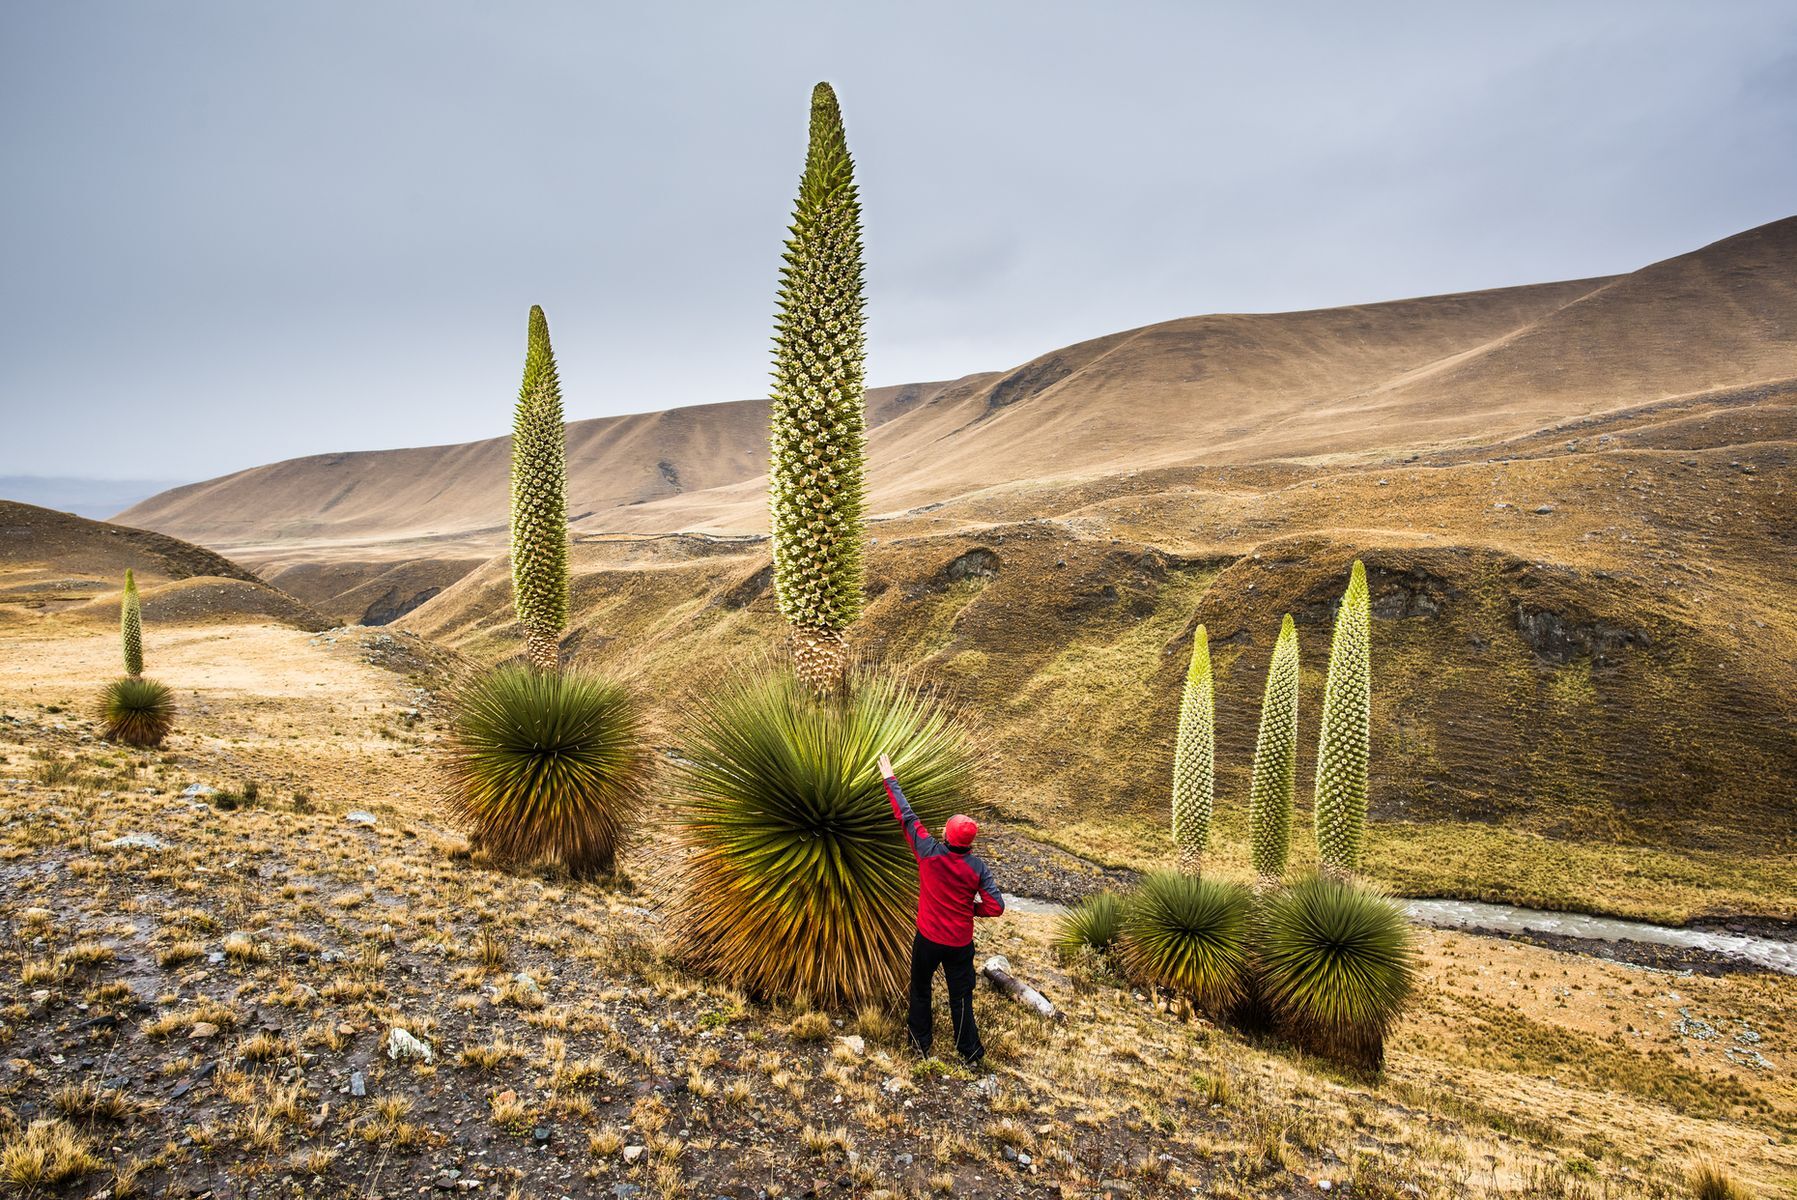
(131,627)
(818,434)
(1195,760)
(540,502)
(1340,807)
(1275,762)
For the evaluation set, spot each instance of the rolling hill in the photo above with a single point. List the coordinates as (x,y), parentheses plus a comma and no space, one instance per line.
(55,563)
(1574,501)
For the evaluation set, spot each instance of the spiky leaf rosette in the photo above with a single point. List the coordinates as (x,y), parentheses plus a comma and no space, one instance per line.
(1195,760)
(540,501)
(131,626)
(799,884)
(1092,924)
(1275,762)
(542,764)
(818,430)
(136,711)
(1188,935)
(1336,963)
(1340,804)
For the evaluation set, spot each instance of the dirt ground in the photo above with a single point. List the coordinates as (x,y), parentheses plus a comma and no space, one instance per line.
(205,1009)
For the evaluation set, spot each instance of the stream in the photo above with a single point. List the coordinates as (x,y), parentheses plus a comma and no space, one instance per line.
(1478,917)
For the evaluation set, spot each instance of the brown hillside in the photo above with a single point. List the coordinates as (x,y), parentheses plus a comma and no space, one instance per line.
(1574,500)
(397,505)
(54,562)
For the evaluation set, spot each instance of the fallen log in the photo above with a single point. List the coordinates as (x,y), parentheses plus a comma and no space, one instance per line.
(998,970)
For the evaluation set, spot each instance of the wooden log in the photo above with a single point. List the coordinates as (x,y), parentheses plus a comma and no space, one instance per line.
(998,971)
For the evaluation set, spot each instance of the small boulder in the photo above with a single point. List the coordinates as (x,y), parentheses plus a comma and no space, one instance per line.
(402,1046)
(359,817)
(137,841)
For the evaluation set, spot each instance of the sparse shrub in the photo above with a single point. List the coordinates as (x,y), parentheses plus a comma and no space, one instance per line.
(1092,924)
(136,711)
(246,795)
(539,501)
(809,1027)
(1710,1180)
(1340,804)
(1275,762)
(800,885)
(51,770)
(818,423)
(47,1154)
(178,953)
(1195,760)
(1188,935)
(547,765)
(89,1102)
(1336,963)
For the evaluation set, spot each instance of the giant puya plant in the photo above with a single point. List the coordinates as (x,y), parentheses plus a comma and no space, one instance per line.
(540,501)
(1328,961)
(1178,931)
(1275,763)
(541,762)
(819,424)
(1339,807)
(798,882)
(134,710)
(1195,760)
(1335,959)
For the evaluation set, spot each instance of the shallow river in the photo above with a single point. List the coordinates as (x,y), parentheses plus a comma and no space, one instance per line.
(1504,918)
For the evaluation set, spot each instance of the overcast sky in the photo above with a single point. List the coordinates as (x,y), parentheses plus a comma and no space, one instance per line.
(242,231)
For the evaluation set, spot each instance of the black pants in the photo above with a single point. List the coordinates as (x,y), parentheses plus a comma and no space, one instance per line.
(956,963)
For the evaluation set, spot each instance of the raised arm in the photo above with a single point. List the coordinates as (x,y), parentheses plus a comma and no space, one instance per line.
(915,833)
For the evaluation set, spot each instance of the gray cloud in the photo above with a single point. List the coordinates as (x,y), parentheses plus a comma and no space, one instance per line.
(240,232)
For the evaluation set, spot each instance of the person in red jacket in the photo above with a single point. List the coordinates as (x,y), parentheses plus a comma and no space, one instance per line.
(953,887)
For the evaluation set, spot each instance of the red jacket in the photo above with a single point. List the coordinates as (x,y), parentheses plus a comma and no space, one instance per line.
(953,886)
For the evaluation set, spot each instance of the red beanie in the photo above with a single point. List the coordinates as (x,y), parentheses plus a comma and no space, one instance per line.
(960,831)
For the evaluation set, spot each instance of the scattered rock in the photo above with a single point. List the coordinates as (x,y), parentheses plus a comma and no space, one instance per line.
(137,841)
(632,1153)
(203,1029)
(854,1043)
(401,1046)
(357,1085)
(358,817)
